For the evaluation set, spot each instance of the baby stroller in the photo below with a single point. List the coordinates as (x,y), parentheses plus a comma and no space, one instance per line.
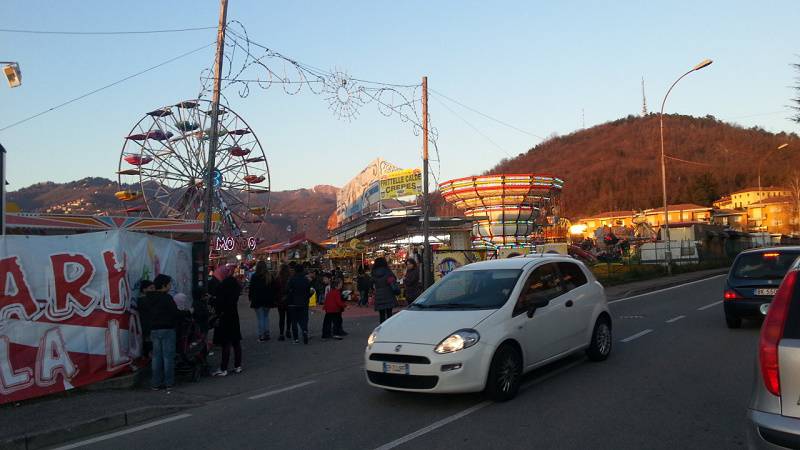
(191,358)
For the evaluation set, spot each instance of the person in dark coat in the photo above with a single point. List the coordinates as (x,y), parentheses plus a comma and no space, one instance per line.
(411,282)
(162,316)
(281,286)
(298,294)
(145,286)
(227,334)
(262,298)
(363,284)
(384,282)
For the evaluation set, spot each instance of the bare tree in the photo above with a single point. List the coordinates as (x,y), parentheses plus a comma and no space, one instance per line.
(796,99)
(794,186)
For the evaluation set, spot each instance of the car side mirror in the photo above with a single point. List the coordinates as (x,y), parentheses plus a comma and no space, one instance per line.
(536,304)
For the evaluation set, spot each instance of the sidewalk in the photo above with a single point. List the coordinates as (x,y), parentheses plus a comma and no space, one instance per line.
(39,423)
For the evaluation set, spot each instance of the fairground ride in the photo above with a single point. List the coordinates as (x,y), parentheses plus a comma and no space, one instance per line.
(508,209)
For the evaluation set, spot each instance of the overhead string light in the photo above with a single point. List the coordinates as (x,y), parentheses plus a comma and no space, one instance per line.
(248,63)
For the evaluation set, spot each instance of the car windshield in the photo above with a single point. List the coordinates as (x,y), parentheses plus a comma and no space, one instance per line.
(769,265)
(470,289)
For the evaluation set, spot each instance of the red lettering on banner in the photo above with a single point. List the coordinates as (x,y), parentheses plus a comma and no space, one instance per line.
(52,359)
(118,292)
(15,294)
(69,287)
(12,380)
(115,358)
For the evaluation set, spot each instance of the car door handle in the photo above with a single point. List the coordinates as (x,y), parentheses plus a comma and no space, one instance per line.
(569,303)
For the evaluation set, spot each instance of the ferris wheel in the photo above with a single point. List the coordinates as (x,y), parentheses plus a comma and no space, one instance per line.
(163,168)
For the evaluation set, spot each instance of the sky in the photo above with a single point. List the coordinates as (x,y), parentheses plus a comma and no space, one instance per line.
(543,67)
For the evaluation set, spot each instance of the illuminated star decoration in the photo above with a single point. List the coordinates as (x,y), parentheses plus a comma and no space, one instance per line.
(343,95)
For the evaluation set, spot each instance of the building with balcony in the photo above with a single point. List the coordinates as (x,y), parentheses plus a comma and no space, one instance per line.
(610,218)
(683,212)
(744,197)
(775,215)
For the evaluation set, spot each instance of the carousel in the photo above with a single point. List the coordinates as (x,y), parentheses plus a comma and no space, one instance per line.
(509,210)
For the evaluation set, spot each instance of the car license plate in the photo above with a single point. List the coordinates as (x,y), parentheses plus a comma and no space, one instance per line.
(767,292)
(396,368)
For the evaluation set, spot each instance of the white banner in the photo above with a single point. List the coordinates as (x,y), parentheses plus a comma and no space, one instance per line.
(65,317)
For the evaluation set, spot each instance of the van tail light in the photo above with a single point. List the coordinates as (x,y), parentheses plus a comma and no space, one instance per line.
(772,331)
(730,294)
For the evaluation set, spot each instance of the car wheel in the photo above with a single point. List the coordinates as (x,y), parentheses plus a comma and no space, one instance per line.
(600,345)
(505,374)
(733,321)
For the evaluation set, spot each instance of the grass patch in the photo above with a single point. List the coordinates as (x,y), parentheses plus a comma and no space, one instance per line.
(620,273)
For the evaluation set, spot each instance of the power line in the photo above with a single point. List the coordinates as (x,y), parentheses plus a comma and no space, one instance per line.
(687,161)
(106,86)
(102,33)
(487,116)
(476,129)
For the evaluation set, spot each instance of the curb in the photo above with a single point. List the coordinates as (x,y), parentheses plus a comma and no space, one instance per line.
(632,292)
(68,433)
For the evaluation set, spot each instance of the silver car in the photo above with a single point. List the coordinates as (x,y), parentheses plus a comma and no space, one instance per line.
(775,404)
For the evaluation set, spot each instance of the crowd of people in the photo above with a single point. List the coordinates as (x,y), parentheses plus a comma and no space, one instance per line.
(292,290)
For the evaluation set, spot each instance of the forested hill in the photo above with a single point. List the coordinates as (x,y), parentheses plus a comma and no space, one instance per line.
(616,165)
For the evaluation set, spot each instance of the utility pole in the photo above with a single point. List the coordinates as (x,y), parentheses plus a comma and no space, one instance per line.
(214,139)
(427,259)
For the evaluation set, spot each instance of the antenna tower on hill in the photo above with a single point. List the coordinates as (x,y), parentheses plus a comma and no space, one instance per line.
(644,100)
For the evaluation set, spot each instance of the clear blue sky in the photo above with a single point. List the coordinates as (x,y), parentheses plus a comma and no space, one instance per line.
(536,65)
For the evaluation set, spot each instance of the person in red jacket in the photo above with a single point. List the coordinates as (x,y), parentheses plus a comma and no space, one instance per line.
(333,307)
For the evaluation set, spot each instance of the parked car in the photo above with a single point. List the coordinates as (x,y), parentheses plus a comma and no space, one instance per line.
(485,324)
(775,403)
(753,280)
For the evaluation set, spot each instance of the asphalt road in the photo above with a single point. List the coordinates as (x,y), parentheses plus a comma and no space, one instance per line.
(677,378)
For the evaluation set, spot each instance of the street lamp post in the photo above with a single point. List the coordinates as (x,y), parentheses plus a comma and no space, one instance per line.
(668,253)
(761,162)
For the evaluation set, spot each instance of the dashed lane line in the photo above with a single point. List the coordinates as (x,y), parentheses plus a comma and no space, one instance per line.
(675,319)
(108,436)
(637,335)
(666,289)
(278,391)
(436,425)
(710,305)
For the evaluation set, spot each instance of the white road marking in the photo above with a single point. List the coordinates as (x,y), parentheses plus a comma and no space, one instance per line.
(470,410)
(675,319)
(666,289)
(433,426)
(108,436)
(703,308)
(637,335)
(278,391)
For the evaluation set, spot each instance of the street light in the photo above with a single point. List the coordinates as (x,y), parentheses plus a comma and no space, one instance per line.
(668,253)
(12,73)
(761,162)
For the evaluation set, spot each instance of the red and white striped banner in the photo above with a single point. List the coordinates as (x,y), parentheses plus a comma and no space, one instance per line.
(65,317)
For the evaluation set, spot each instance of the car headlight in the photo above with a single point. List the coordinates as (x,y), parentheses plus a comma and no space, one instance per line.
(372,337)
(459,340)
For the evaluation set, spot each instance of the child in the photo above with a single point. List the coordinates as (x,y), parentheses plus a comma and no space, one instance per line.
(334,306)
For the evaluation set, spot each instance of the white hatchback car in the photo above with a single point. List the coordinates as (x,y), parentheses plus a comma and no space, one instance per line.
(485,324)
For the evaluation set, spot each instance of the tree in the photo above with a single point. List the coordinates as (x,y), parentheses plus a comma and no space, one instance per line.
(796,100)
(704,189)
(794,186)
